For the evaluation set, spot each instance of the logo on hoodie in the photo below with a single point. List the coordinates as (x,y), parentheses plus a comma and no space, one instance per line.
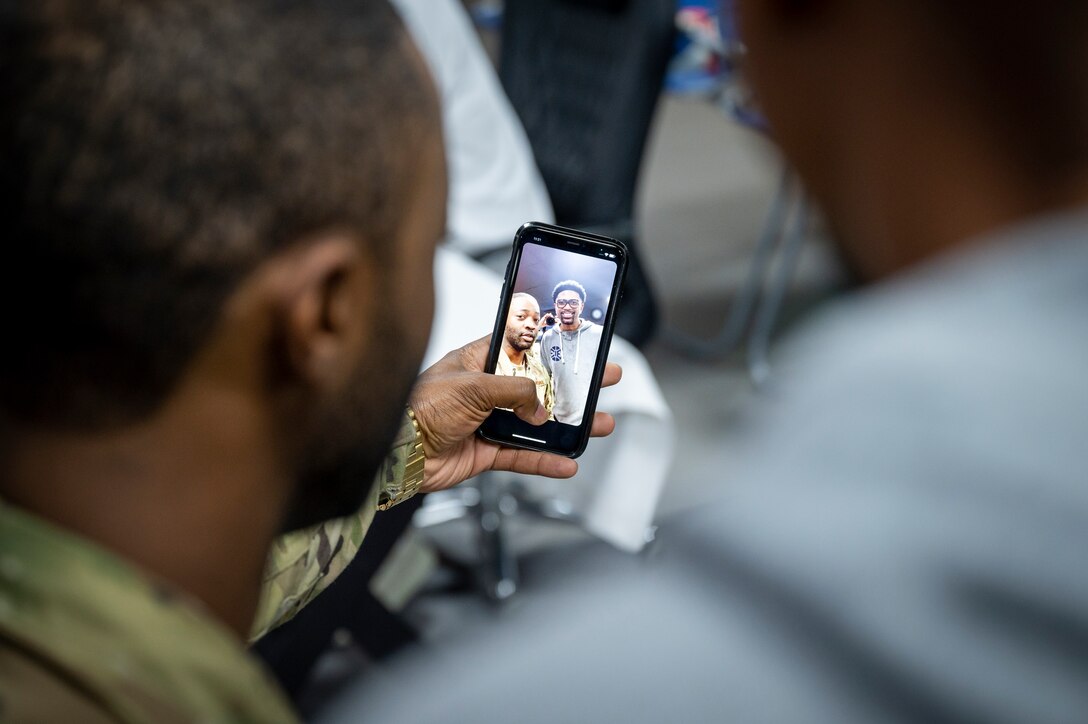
(556,353)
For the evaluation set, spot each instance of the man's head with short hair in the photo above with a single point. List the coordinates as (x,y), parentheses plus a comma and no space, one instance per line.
(522,322)
(920,124)
(569,285)
(244,192)
(569,298)
(156,152)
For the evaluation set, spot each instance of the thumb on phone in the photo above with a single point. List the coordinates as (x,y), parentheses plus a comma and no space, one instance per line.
(515,393)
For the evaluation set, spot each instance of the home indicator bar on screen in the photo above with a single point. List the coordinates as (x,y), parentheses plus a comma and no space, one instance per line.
(531,439)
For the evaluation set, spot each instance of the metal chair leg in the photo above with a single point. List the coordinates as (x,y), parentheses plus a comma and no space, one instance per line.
(740,311)
(759,368)
(498,566)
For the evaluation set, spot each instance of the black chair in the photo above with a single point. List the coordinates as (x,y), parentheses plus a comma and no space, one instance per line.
(585,76)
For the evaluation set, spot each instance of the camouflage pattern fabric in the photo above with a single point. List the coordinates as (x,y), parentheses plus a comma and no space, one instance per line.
(533,369)
(305,562)
(85,637)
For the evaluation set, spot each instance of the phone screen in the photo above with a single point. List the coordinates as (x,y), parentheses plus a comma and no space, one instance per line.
(554,327)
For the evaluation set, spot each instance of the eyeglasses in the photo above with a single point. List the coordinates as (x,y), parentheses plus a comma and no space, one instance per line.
(568,303)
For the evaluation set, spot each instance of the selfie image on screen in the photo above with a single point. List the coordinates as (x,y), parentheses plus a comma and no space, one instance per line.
(553,326)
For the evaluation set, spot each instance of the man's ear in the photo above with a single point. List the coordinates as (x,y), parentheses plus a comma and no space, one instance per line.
(323,290)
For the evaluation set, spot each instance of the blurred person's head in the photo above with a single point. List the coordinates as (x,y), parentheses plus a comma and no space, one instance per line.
(227,211)
(919,124)
(569,297)
(521,324)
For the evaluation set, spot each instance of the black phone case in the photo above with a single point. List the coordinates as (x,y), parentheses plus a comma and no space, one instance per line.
(523,236)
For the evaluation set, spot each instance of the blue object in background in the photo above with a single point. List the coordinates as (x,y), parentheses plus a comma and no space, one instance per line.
(486,14)
(698,65)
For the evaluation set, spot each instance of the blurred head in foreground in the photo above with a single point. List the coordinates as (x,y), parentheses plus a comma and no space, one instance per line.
(220,220)
(919,125)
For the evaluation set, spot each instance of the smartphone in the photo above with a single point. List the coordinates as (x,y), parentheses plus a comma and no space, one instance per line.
(556,314)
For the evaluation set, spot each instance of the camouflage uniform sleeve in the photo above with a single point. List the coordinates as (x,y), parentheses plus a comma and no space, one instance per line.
(305,562)
(549,392)
(540,375)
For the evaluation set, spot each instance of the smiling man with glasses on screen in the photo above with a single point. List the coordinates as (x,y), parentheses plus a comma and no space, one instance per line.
(569,350)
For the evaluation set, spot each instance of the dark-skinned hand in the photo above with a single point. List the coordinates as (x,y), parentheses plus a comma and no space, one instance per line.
(454,396)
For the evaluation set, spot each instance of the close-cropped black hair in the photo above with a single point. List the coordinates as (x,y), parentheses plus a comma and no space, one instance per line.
(569,286)
(155,152)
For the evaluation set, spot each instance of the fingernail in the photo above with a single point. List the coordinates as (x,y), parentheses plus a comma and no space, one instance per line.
(541,414)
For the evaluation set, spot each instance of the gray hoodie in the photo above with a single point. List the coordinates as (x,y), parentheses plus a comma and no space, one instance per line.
(569,358)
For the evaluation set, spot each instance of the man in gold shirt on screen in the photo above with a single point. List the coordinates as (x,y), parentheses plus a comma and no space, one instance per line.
(519,356)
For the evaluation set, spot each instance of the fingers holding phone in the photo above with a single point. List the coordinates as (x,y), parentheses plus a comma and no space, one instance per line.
(451,399)
(571,280)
